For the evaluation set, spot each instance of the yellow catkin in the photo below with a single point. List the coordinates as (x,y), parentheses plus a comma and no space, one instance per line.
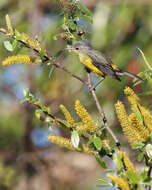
(133,99)
(127,162)
(85,117)
(87,149)
(142,133)
(106,143)
(68,6)
(61,141)
(121,183)
(18,59)
(81,127)
(67,115)
(147,117)
(66,143)
(125,123)
(32,43)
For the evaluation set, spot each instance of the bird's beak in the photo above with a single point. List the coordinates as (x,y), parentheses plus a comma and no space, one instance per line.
(69,48)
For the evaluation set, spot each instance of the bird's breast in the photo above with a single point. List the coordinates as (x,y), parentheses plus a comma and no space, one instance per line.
(87,62)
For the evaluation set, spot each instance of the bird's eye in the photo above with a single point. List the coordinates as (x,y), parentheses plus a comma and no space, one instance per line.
(77,48)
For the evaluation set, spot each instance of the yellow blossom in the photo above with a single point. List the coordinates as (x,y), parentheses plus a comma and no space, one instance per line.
(30,42)
(133,99)
(142,133)
(106,143)
(85,117)
(67,115)
(66,143)
(147,118)
(121,183)
(87,149)
(127,163)
(61,141)
(18,59)
(125,123)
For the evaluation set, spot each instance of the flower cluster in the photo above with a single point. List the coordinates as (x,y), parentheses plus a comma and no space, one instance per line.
(19,59)
(85,128)
(138,125)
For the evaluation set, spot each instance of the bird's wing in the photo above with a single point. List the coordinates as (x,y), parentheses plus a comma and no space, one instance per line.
(102,63)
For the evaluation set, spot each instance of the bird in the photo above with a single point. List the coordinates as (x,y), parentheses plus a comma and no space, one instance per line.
(97,62)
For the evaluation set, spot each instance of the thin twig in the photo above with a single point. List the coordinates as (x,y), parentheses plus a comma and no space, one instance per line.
(89,84)
(45,112)
(149,170)
(101,112)
(46,57)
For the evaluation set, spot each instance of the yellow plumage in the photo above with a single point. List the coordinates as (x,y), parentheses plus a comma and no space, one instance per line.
(97,62)
(87,62)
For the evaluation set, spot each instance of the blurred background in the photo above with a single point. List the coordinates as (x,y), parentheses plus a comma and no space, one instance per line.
(27,160)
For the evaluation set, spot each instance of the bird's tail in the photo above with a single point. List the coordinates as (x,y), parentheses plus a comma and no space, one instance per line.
(121,73)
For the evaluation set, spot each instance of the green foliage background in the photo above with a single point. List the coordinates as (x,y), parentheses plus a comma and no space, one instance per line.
(117,30)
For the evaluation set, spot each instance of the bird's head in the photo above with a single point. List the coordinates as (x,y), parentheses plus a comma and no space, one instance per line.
(80,47)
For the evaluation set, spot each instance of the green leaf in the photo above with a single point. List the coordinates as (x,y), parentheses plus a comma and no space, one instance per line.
(149,150)
(18,35)
(14,44)
(58,54)
(38,113)
(133,177)
(51,71)
(97,143)
(103,186)
(8,45)
(139,116)
(87,18)
(104,181)
(9,25)
(64,123)
(138,145)
(75,139)
(25,91)
(101,162)
(140,156)
(145,59)
(71,25)
(91,139)
(84,10)
(117,161)
(55,37)
(150,137)
(148,77)
(137,83)
(42,54)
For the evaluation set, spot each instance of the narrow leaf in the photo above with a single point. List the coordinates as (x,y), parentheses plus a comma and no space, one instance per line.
(9,25)
(138,145)
(101,162)
(8,45)
(98,143)
(149,150)
(75,139)
(51,71)
(145,59)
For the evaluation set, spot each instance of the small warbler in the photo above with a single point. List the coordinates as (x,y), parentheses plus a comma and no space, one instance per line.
(95,61)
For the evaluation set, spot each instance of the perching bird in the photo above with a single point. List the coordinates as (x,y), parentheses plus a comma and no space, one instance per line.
(97,62)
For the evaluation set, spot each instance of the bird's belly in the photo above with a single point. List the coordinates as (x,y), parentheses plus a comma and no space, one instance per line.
(86,60)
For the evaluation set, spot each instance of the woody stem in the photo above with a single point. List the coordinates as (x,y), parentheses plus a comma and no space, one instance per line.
(101,112)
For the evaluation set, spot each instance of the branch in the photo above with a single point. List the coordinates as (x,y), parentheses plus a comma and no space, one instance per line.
(149,170)
(101,112)
(45,112)
(46,57)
